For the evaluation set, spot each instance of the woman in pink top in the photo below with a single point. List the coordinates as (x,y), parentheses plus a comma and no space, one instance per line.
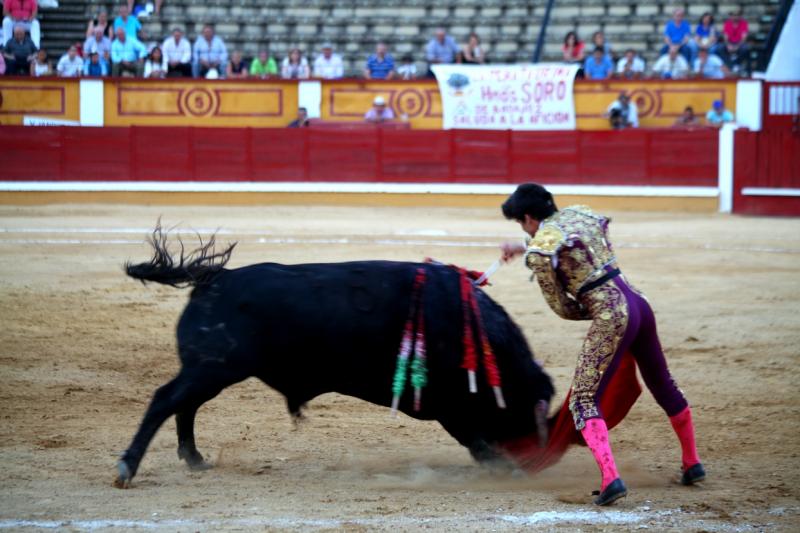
(573,49)
(735,30)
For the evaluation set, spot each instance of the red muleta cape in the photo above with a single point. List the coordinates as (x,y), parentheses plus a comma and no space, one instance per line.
(617,399)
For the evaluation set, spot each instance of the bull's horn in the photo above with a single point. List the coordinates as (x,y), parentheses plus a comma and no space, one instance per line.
(540,411)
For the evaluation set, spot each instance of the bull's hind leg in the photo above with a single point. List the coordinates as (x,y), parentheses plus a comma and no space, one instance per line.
(187,450)
(184,394)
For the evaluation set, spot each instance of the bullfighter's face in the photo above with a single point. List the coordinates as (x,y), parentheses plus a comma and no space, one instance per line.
(529,225)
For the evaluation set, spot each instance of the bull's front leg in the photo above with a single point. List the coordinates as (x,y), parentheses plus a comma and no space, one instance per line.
(479,448)
(187,450)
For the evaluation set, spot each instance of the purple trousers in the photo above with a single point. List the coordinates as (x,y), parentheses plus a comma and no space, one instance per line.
(622,320)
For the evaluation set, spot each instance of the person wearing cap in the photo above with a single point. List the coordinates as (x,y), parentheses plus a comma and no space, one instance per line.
(718,115)
(379,111)
(328,65)
(178,53)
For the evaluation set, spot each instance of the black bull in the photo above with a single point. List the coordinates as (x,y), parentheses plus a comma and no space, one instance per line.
(306,330)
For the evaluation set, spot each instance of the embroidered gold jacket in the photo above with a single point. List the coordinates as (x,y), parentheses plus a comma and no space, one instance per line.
(569,250)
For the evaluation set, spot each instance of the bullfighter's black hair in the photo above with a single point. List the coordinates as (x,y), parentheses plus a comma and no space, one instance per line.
(197,268)
(529,199)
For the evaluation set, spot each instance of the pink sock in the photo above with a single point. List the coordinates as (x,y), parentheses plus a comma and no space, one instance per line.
(682,424)
(596,436)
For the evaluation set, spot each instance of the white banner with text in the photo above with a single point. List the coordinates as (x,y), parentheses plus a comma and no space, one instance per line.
(507,97)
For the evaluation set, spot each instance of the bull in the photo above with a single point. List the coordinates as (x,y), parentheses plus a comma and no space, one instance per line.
(310,329)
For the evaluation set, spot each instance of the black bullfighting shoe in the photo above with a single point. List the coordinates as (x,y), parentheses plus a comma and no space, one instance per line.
(613,492)
(693,474)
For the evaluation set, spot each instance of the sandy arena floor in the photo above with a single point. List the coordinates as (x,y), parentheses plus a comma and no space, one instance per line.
(82,349)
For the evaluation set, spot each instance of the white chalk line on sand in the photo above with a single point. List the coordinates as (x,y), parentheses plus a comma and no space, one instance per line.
(409,242)
(493,521)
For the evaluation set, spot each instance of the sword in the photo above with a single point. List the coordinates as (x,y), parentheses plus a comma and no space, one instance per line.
(489,271)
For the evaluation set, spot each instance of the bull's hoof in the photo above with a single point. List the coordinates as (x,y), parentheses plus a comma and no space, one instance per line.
(124,476)
(194,460)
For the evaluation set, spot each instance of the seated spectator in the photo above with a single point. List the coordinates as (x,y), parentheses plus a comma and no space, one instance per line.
(622,113)
(598,66)
(237,67)
(380,65)
(264,66)
(472,52)
(210,54)
(94,65)
(407,69)
(178,53)
(21,13)
(101,23)
(599,40)
(127,54)
(705,34)
(630,66)
(735,51)
(156,64)
(573,49)
(678,34)
(41,65)
(128,22)
(295,66)
(687,119)
(328,65)
(442,49)
(71,64)
(671,65)
(718,115)
(709,66)
(302,119)
(379,112)
(19,52)
(2,63)
(99,43)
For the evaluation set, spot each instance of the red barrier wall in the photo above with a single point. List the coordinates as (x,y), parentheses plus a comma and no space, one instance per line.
(633,157)
(766,159)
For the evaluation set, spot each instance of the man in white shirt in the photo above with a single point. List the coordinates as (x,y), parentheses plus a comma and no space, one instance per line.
(709,66)
(178,53)
(671,65)
(328,65)
(623,113)
(70,65)
(630,66)
(98,43)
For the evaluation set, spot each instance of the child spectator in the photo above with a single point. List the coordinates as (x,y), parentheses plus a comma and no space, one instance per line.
(718,115)
(678,34)
(687,119)
(70,65)
(671,65)
(295,66)
(709,66)
(156,64)
(630,66)
(573,49)
(472,52)
(380,65)
(95,66)
(598,66)
(263,66)
(41,66)
(237,67)
(407,69)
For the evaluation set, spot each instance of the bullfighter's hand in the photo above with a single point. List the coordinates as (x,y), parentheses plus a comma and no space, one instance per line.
(510,250)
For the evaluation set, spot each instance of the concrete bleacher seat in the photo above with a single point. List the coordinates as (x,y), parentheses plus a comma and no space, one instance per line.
(509,27)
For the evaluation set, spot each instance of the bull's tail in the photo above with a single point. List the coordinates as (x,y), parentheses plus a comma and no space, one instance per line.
(186,270)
